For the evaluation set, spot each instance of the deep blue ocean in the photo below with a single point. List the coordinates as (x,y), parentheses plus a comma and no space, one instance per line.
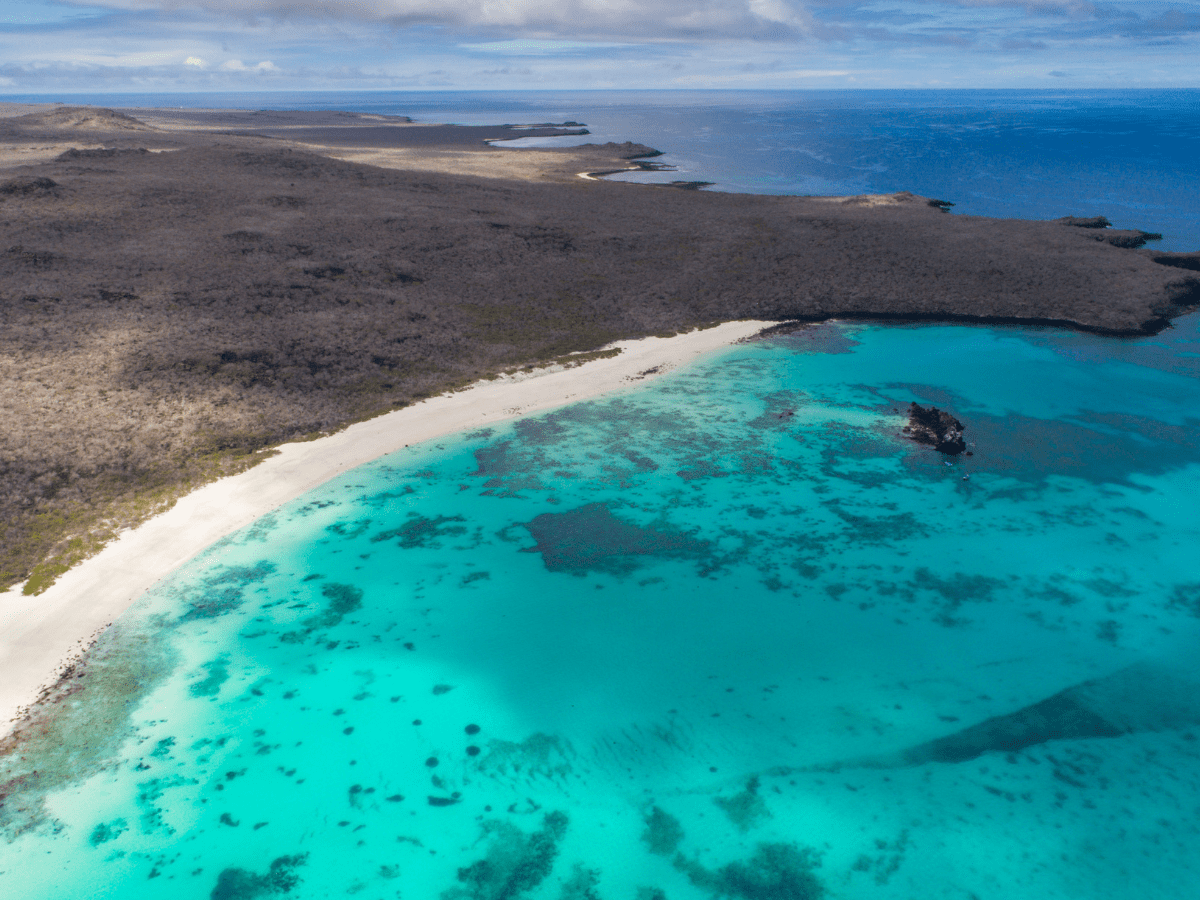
(1128,155)
(725,634)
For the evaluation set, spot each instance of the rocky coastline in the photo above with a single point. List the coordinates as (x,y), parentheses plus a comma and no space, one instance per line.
(184,289)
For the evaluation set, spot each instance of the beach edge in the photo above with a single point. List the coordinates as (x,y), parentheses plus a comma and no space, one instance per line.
(42,636)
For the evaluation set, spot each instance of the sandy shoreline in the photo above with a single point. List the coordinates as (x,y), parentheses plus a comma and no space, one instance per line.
(273,290)
(40,635)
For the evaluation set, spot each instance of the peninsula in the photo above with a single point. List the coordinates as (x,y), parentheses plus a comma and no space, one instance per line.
(181,289)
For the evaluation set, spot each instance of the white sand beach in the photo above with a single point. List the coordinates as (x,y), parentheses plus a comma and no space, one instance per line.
(40,635)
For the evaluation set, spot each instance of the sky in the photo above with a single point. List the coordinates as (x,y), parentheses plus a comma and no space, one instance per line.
(100,46)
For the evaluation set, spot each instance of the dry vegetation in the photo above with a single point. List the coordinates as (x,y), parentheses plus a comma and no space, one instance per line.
(167,314)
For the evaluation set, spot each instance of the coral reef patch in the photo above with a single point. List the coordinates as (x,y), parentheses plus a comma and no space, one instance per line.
(778,871)
(516,863)
(592,539)
(241,884)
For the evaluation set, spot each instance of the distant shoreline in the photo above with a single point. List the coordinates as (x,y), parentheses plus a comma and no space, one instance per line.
(41,636)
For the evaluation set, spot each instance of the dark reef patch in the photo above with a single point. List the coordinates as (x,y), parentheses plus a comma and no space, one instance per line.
(581,884)
(1187,598)
(422,531)
(511,468)
(955,590)
(515,864)
(775,872)
(745,808)
(349,530)
(343,600)
(663,833)
(213,603)
(148,795)
(217,674)
(223,592)
(241,884)
(539,755)
(696,469)
(107,831)
(591,539)
(878,529)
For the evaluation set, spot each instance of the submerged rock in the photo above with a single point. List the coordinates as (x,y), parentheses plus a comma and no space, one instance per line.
(1146,696)
(935,427)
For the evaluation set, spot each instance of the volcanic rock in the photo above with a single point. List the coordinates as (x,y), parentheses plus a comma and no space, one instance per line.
(935,427)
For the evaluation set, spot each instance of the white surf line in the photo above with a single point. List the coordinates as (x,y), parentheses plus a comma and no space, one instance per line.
(41,635)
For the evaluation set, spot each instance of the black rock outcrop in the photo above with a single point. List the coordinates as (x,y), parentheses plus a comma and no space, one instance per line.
(935,427)
(1085,221)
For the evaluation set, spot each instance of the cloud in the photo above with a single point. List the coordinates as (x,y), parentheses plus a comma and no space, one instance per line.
(1171,21)
(751,77)
(236,65)
(507,71)
(532,47)
(1068,7)
(641,19)
(218,45)
(231,75)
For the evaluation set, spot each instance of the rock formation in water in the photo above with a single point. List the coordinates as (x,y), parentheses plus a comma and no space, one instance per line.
(935,427)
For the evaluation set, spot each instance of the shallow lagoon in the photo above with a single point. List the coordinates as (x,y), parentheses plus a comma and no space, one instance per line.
(676,643)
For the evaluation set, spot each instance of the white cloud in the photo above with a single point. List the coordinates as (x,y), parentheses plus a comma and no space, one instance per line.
(642,19)
(194,61)
(774,77)
(236,65)
(533,47)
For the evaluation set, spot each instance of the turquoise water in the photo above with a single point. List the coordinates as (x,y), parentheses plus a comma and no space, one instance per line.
(722,635)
